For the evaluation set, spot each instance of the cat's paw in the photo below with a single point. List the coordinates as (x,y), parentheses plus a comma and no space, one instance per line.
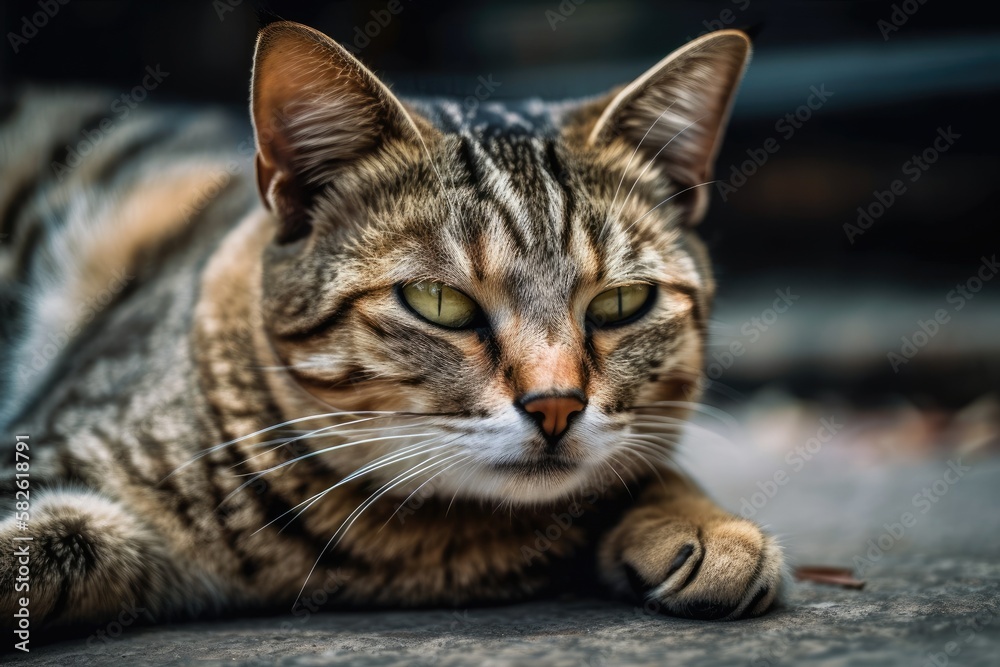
(89,556)
(721,570)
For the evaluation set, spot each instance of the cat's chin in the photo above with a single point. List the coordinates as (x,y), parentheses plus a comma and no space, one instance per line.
(526,482)
(550,466)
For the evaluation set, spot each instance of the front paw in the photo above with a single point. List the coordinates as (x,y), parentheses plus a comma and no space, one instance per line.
(725,568)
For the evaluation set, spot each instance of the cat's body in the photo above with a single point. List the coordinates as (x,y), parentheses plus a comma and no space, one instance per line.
(208,318)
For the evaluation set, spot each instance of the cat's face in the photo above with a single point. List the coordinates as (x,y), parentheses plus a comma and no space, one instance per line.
(488,297)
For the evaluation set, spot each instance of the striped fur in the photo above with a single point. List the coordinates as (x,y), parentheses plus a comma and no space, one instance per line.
(234,363)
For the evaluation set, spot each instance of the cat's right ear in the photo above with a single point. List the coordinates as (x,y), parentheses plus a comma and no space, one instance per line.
(315,110)
(675,114)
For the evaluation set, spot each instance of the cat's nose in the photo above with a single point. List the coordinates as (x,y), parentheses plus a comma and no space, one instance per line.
(553,412)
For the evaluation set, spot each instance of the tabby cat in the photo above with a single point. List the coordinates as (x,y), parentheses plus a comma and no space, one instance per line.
(430,355)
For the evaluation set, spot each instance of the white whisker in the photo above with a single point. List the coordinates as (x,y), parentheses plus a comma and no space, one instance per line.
(344,527)
(299,420)
(424,483)
(676,194)
(708,410)
(369,467)
(607,218)
(651,161)
(317,452)
(629,449)
(471,465)
(608,463)
(257,476)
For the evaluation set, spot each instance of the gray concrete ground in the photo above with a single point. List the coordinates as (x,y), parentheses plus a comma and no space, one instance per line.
(932,595)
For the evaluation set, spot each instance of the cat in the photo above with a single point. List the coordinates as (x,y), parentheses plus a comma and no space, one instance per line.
(384,352)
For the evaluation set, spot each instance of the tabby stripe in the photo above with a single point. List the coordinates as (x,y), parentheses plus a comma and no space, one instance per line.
(492,347)
(513,229)
(248,563)
(15,207)
(473,173)
(330,321)
(478,175)
(476,252)
(555,200)
(66,363)
(569,203)
(344,380)
(142,139)
(595,239)
(14,211)
(691,292)
(593,359)
(376,327)
(60,152)
(500,191)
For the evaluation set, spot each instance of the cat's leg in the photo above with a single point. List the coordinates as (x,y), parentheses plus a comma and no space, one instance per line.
(80,557)
(685,556)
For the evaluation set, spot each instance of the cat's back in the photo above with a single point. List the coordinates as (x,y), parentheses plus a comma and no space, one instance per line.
(108,208)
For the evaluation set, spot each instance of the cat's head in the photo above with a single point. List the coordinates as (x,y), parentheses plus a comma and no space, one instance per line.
(512,282)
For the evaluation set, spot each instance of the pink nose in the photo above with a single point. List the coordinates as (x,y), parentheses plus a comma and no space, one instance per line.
(554,412)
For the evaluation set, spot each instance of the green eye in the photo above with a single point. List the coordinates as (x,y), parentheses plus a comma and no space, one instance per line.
(440,304)
(618,304)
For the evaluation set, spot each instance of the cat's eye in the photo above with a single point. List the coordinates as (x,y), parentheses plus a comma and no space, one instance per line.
(619,305)
(440,304)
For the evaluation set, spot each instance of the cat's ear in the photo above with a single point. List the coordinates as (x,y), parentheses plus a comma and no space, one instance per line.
(315,110)
(677,111)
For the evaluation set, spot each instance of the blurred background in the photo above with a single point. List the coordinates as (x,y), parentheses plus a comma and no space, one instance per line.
(858,178)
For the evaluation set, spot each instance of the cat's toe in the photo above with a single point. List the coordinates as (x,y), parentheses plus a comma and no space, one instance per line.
(732,571)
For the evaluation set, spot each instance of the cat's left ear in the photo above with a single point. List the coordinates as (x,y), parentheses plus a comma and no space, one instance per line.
(317,111)
(677,111)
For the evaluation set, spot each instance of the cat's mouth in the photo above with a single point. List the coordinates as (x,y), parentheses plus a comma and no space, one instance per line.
(539,467)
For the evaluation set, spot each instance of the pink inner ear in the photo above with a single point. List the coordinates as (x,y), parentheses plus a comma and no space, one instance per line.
(294,72)
(313,103)
(316,111)
(313,109)
(677,111)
